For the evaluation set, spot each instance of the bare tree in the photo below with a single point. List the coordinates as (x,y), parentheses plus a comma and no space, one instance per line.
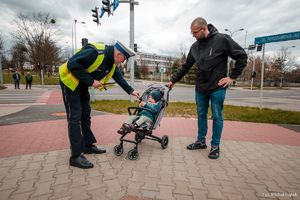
(283,62)
(1,43)
(18,52)
(36,33)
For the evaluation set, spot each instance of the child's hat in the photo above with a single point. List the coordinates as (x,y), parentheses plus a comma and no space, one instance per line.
(156,95)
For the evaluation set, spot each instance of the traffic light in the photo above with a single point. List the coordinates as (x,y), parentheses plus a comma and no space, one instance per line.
(106,6)
(135,48)
(95,15)
(259,47)
(84,41)
(115,4)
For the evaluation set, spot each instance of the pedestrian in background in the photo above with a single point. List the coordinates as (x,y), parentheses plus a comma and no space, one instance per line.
(17,78)
(210,55)
(93,65)
(28,79)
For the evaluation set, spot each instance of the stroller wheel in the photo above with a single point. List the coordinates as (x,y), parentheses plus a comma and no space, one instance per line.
(164,141)
(118,150)
(133,154)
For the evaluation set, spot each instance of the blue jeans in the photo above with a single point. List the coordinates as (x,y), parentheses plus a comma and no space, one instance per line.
(216,98)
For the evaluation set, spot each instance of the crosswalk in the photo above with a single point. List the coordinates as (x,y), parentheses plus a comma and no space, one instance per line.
(24,97)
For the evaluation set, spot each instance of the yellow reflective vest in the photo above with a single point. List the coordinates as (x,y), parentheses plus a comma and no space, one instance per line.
(67,78)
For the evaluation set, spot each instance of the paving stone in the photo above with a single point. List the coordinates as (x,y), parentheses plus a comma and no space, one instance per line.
(133,188)
(61,191)
(41,197)
(165,192)
(10,183)
(199,194)
(182,188)
(25,186)
(95,182)
(42,188)
(46,176)
(21,196)
(98,193)
(35,165)
(80,193)
(21,164)
(61,169)
(62,179)
(153,173)
(248,194)
(148,194)
(214,191)
(4,194)
(180,176)
(29,175)
(233,196)
(196,183)
(166,179)
(150,184)
(113,185)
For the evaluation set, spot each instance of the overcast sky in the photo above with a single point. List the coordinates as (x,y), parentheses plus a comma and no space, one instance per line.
(163,26)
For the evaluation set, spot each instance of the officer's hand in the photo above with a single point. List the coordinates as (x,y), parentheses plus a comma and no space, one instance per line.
(136,94)
(170,85)
(97,84)
(225,82)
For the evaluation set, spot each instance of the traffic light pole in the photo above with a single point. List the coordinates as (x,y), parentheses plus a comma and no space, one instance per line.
(131,60)
(132,3)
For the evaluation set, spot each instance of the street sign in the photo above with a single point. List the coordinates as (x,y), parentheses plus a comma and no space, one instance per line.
(277,38)
(251,47)
(162,70)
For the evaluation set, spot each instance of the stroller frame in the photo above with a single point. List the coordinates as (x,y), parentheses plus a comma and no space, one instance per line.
(145,132)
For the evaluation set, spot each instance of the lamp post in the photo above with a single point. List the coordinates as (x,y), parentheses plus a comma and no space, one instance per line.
(231,34)
(75,35)
(282,60)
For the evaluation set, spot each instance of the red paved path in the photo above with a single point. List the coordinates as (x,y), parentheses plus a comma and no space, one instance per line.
(52,135)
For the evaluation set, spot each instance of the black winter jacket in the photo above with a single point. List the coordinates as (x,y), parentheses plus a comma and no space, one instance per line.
(210,56)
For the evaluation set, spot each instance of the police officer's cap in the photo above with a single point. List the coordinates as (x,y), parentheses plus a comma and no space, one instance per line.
(125,50)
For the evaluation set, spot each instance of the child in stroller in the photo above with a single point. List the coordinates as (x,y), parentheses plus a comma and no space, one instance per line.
(145,116)
(145,119)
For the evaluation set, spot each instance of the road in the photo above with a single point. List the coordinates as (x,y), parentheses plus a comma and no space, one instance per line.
(286,99)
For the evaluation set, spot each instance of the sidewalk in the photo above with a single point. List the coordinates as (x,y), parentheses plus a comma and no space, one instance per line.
(258,161)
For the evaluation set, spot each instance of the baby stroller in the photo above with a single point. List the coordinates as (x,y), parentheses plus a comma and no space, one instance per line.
(145,130)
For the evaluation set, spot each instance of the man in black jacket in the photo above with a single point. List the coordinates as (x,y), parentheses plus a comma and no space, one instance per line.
(210,55)
(17,78)
(93,65)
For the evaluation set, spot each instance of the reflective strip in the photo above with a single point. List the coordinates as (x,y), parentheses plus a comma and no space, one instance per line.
(70,81)
(107,78)
(67,78)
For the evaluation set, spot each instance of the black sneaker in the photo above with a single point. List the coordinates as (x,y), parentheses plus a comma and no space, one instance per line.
(81,162)
(214,152)
(197,145)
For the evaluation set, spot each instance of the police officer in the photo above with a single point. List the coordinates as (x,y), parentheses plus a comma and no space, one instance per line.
(93,65)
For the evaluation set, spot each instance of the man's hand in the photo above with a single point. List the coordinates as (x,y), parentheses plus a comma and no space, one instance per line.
(136,94)
(97,84)
(170,85)
(225,82)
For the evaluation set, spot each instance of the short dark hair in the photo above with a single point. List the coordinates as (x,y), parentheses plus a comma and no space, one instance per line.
(199,21)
